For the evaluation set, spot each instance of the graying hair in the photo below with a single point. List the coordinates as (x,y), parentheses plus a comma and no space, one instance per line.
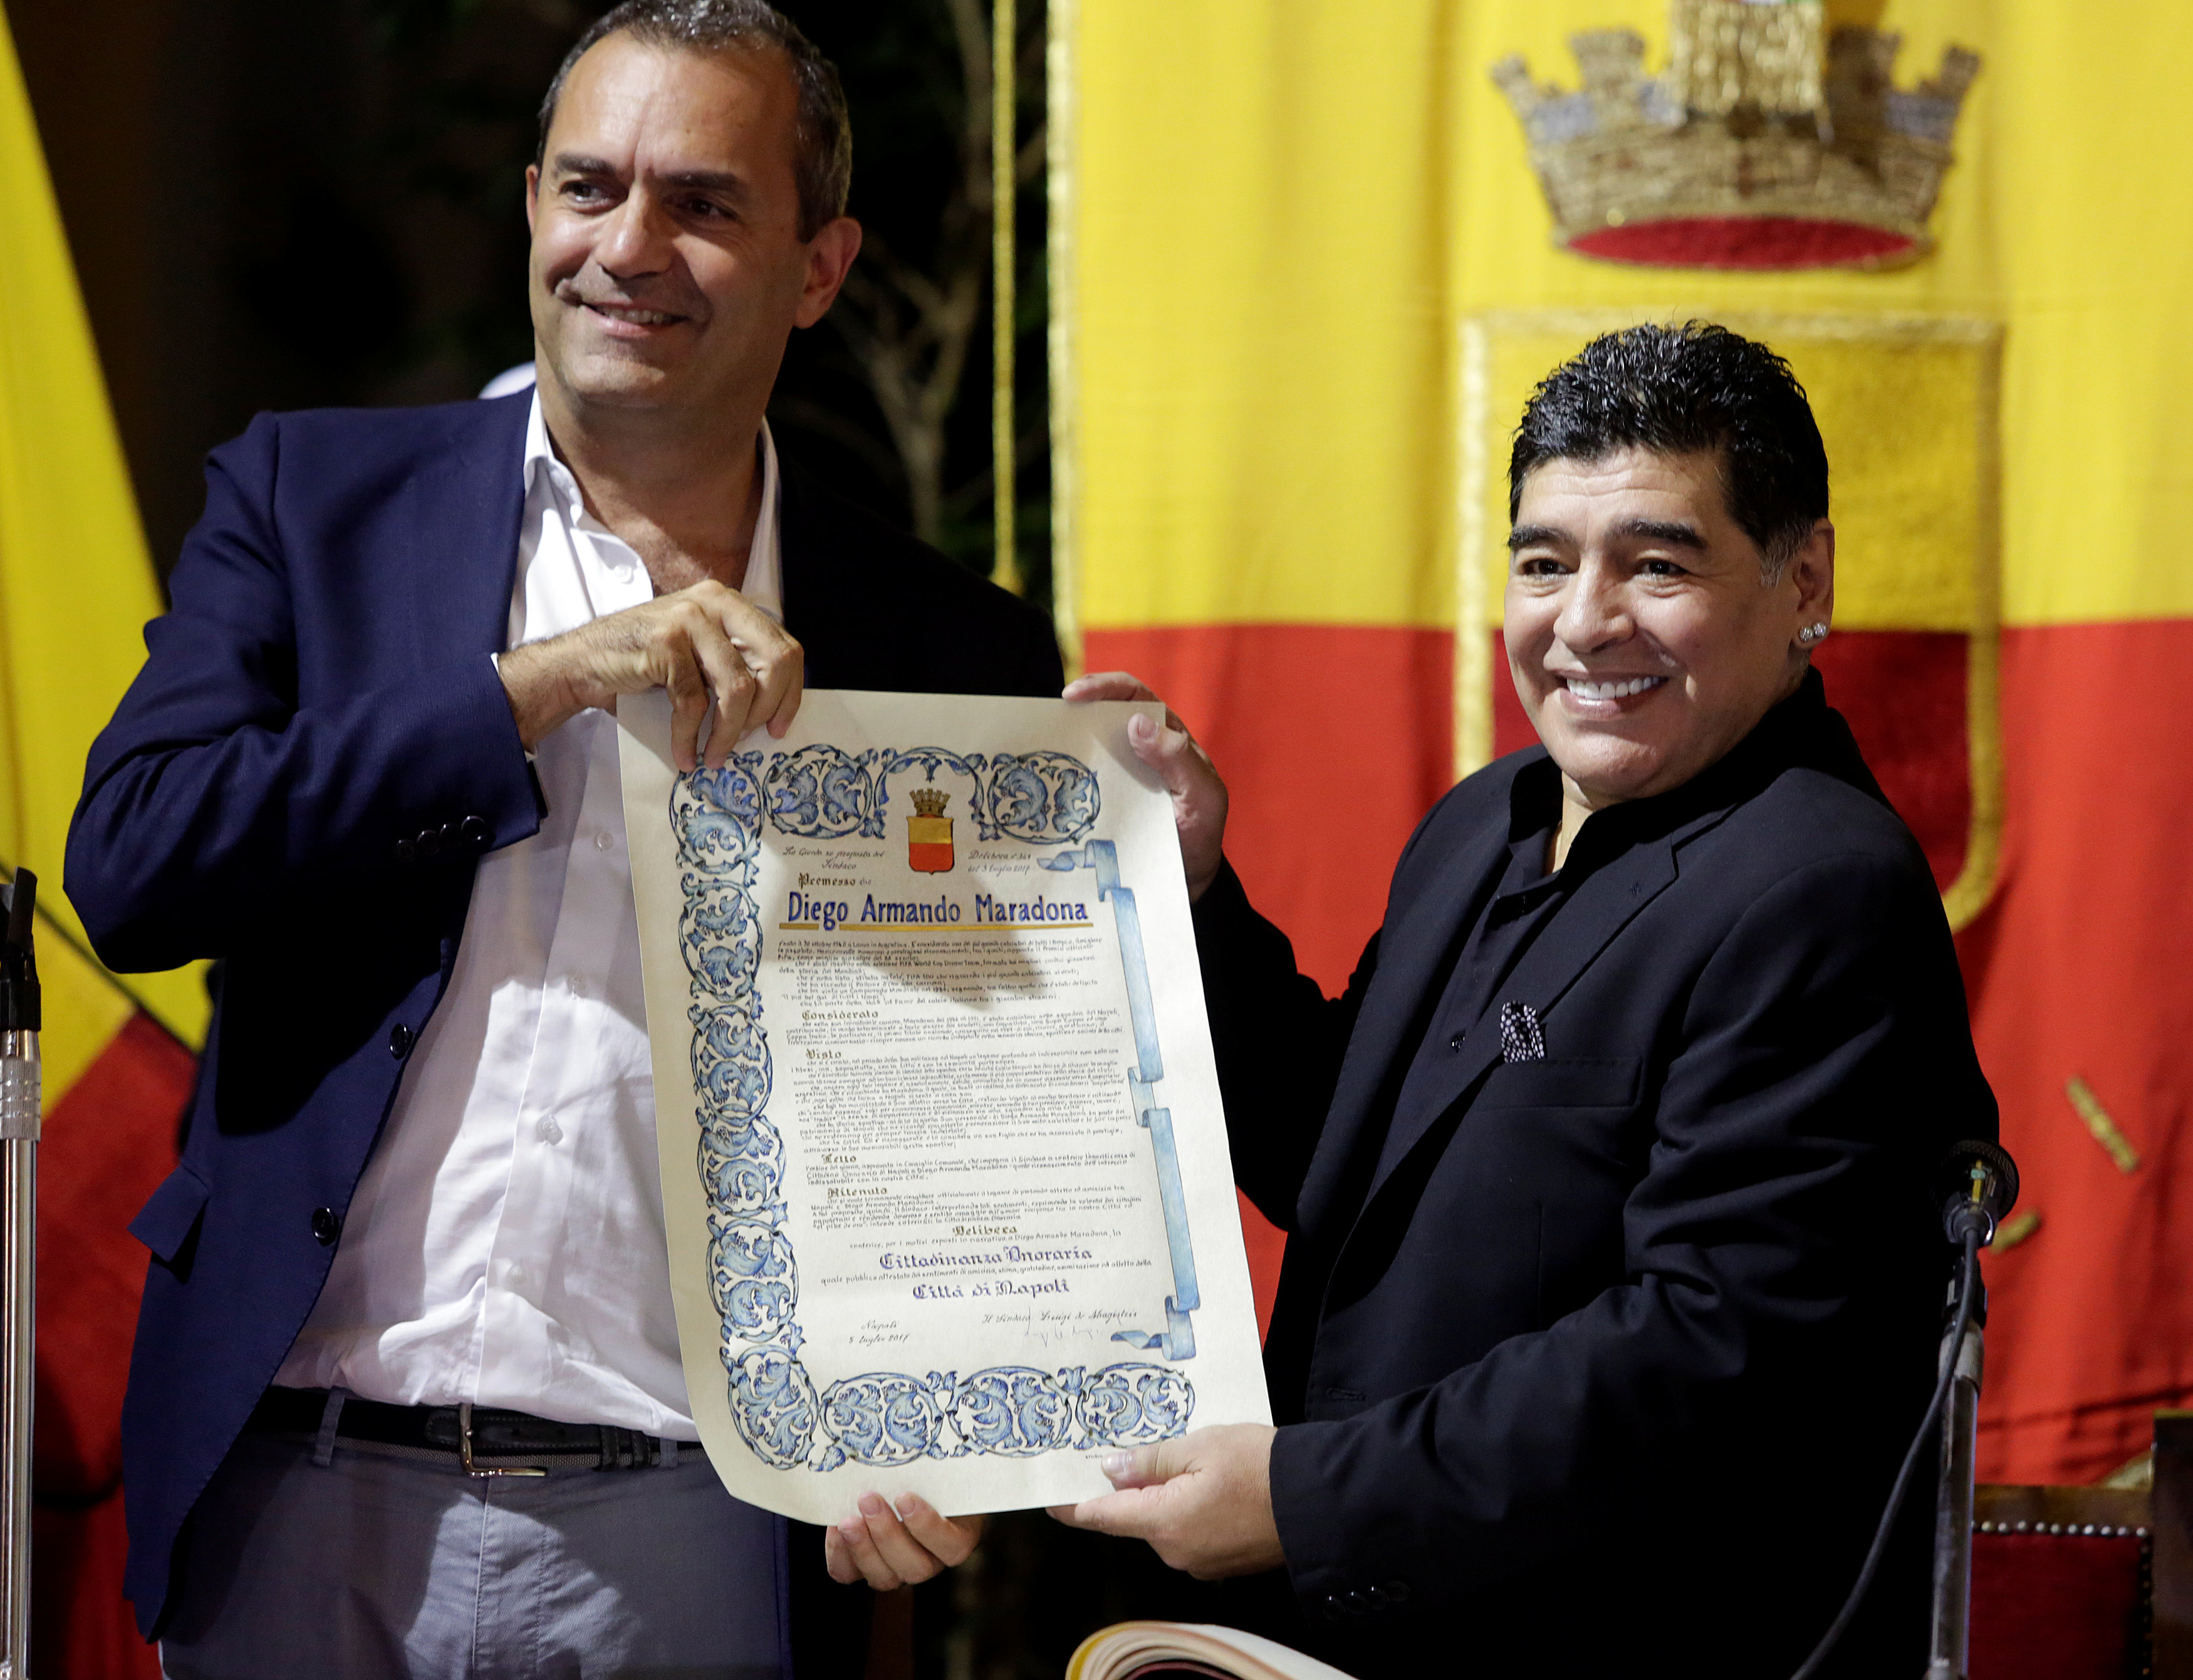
(822,136)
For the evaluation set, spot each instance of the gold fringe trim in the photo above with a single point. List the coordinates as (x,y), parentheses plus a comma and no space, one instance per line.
(2015,1229)
(1473,675)
(1004,155)
(2135,1474)
(1967,895)
(2090,1109)
(1062,121)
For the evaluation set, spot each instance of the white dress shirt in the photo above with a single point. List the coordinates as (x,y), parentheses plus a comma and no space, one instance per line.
(506,1243)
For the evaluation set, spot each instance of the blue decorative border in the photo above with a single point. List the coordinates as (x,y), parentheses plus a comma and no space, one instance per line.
(880,1417)
(1177,1340)
(822,792)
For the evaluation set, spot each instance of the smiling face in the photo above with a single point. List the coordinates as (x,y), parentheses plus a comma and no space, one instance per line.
(666,267)
(1643,640)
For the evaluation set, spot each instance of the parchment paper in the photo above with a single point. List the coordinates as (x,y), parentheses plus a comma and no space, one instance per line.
(945,1173)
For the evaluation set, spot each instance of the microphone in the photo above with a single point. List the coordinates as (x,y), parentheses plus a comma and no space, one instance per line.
(1978,1183)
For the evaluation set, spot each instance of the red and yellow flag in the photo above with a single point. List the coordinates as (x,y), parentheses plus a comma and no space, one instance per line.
(1304,275)
(76,589)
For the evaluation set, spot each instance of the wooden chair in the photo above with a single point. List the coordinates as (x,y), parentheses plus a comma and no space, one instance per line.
(2088,1583)
(2062,1584)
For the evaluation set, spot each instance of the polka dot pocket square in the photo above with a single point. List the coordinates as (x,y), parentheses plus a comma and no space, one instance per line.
(1520,1038)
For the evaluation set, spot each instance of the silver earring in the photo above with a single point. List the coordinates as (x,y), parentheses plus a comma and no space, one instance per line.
(1812,633)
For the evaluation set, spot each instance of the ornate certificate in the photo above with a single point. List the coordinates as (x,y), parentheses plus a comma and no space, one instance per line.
(945,1174)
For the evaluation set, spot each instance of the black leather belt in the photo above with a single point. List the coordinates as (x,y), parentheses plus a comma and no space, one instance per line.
(482,1439)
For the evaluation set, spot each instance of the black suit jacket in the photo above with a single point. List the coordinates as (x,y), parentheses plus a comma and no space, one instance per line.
(1605,1364)
(300,782)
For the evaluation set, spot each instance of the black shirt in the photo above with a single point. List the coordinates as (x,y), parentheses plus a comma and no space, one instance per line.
(1528,898)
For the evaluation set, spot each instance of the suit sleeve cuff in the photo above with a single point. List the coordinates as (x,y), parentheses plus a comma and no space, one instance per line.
(491,795)
(1338,1581)
(1224,904)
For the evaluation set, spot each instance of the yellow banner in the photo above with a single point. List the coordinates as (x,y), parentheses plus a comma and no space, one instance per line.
(76,584)
(1282,212)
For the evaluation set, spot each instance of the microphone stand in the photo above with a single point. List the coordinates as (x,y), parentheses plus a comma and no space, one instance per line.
(1983,1188)
(19,1023)
(1971,1225)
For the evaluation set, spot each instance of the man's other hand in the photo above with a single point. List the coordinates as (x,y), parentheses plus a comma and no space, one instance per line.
(1204,1502)
(1198,796)
(707,644)
(888,1548)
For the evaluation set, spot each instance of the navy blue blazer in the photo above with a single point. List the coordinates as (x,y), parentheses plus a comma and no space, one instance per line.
(1603,1363)
(300,782)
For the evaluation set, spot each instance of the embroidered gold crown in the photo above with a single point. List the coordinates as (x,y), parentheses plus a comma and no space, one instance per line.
(1754,148)
(929,802)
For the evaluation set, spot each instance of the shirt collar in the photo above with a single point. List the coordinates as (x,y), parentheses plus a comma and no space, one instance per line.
(540,459)
(765,579)
(1802,731)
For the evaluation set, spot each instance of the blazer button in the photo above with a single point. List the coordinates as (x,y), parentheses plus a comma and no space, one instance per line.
(429,842)
(1398,1591)
(1358,1605)
(327,1226)
(475,831)
(399,1040)
(407,851)
(1455,1043)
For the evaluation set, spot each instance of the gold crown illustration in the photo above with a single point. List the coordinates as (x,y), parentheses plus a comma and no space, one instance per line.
(1754,148)
(931,803)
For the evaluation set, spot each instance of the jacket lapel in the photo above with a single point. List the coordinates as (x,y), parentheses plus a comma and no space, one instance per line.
(1803,730)
(1602,908)
(1413,953)
(466,510)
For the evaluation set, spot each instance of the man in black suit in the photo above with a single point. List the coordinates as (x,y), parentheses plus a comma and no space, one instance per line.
(1613,1288)
(405,1396)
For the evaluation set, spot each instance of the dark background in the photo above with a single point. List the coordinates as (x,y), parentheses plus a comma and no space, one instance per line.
(286,203)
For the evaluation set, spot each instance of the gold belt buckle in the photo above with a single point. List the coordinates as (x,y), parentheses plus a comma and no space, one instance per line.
(465,1450)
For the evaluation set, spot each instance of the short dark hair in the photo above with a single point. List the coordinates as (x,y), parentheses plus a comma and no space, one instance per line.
(822,137)
(1694,389)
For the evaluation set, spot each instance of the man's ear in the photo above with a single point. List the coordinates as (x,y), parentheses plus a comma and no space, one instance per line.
(1813,570)
(532,193)
(830,256)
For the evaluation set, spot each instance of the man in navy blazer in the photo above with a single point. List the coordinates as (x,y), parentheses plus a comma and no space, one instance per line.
(1613,1280)
(335,772)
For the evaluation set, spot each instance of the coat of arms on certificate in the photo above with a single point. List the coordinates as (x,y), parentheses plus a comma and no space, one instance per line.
(928,833)
(946,1183)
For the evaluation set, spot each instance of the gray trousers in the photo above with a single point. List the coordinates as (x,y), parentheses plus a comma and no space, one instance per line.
(383,1561)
